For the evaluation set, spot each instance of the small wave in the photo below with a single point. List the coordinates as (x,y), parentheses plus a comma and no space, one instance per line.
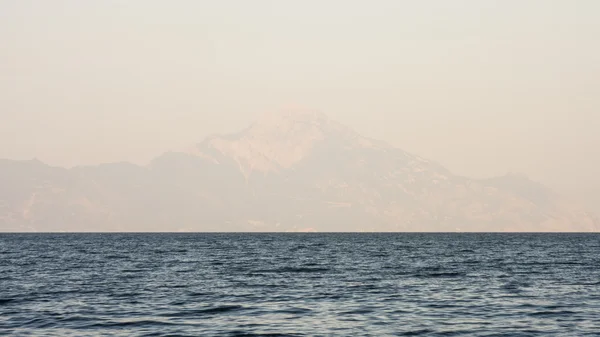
(357,312)
(63,292)
(295,311)
(440,274)
(515,285)
(552,263)
(40,324)
(327,296)
(198,293)
(585,284)
(7,300)
(173,286)
(161,251)
(359,286)
(124,295)
(440,305)
(261,285)
(204,311)
(124,324)
(251,334)
(417,332)
(116,257)
(527,305)
(140,270)
(220,309)
(552,313)
(295,270)
(472,262)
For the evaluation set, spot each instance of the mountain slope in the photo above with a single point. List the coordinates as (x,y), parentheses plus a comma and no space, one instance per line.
(290,171)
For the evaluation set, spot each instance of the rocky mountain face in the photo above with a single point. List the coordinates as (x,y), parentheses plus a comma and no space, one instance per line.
(289,171)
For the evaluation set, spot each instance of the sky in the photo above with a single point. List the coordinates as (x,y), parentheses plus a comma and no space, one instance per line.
(483,87)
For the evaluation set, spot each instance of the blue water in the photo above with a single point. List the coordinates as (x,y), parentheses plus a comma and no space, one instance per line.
(299,284)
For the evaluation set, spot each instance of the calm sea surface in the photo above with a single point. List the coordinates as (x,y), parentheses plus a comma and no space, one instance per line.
(299,284)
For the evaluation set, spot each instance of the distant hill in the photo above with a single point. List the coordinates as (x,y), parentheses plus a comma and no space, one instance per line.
(289,171)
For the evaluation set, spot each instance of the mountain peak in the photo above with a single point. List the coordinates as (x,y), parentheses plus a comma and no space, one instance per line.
(278,139)
(281,138)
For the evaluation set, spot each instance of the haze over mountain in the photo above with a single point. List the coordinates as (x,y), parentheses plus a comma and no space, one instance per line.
(482,87)
(294,170)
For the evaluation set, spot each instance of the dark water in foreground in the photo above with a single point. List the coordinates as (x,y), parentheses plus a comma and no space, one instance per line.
(299,284)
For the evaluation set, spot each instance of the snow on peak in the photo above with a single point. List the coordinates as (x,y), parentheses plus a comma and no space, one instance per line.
(276,140)
(280,139)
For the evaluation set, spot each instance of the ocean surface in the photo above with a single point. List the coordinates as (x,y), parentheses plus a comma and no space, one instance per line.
(300,284)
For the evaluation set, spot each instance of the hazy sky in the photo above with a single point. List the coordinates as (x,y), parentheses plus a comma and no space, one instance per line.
(483,87)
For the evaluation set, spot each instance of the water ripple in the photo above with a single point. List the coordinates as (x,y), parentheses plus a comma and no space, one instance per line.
(299,284)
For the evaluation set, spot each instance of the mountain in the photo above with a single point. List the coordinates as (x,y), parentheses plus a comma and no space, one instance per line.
(294,170)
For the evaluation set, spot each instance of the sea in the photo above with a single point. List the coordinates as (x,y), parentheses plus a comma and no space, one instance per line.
(299,284)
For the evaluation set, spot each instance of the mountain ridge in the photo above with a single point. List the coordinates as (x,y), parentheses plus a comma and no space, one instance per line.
(294,170)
